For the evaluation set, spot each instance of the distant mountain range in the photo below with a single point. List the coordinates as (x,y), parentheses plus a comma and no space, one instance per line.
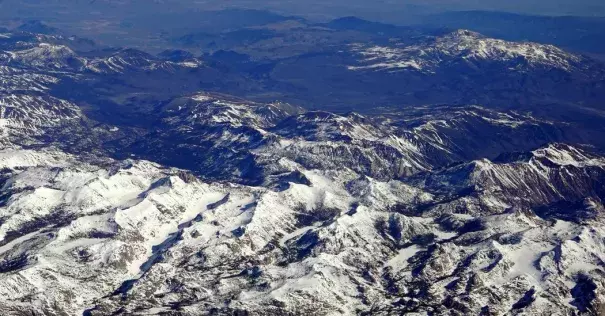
(581,34)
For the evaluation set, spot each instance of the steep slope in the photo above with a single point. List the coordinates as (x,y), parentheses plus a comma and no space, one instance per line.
(212,134)
(401,144)
(557,181)
(24,117)
(133,237)
(244,141)
(47,56)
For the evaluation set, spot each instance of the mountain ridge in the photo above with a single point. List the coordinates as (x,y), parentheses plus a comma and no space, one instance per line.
(134,184)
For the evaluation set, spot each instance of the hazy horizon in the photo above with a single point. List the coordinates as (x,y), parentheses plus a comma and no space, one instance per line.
(382,10)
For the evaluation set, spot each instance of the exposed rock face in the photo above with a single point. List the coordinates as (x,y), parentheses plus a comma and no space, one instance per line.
(138,238)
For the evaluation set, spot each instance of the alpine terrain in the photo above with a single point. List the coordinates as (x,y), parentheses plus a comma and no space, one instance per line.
(448,173)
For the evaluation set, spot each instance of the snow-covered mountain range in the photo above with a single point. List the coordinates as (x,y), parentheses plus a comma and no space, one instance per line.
(466,46)
(124,196)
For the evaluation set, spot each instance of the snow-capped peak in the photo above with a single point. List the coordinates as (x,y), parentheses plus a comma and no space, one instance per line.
(459,46)
(48,55)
